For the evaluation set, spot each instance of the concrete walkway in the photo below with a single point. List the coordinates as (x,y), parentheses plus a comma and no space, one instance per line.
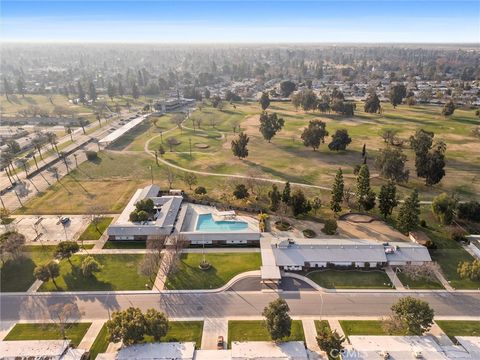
(35,286)
(91,335)
(310,334)
(335,325)
(441,337)
(212,329)
(444,281)
(394,278)
(163,269)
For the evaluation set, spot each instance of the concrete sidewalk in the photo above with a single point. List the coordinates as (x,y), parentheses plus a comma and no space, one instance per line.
(212,329)
(394,278)
(91,335)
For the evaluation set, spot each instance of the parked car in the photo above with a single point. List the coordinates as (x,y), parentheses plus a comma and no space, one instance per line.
(64,220)
(220,343)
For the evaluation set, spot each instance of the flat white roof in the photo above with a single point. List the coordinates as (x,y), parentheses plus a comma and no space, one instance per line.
(122,130)
(471,344)
(34,349)
(160,351)
(269,350)
(398,347)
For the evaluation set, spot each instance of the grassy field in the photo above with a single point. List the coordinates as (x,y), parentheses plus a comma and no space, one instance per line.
(354,279)
(255,330)
(75,332)
(182,331)
(72,279)
(93,232)
(421,283)
(224,266)
(100,344)
(18,275)
(459,328)
(362,327)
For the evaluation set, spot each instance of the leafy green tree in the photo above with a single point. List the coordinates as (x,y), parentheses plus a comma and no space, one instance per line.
(92,92)
(66,249)
(200,190)
(364,194)
(135,91)
(314,134)
(469,270)
(286,193)
(372,104)
(421,144)
(337,192)
(111,91)
(264,101)
(391,164)
(435,167)
(48,271)
(299,203)
(448,109)
(7,88)
(330,227)
(277,320)
(156,324)
(330,342)
(128,326)
(397,93)
(409,213)
(340,140)
(239,145)
(444,207)
(206,94)
(138,216)
(387,199)
(316,204)
(81,93)
(270,124)
(90,266)
(275,198)
(146,205)
(287,87)
(241,191)
(415,314)
(344,108)
(469,210)
(21,86)
(11,243)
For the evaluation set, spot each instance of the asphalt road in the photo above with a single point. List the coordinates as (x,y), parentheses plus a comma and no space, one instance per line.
(230,303)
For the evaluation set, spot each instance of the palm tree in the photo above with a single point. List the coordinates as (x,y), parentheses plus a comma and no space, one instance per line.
(23,163)
(82,123)
(32,154)
(38,142)
(52,139)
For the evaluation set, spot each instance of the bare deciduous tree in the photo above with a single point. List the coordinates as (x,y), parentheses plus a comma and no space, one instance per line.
(64,315)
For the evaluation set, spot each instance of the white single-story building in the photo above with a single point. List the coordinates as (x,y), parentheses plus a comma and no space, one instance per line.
(299,254)
(39,349)
(150,351)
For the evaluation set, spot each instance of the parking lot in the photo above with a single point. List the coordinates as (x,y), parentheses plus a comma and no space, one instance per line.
(48,228)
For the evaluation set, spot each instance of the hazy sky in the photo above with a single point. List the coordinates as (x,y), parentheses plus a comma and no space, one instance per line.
(241,21)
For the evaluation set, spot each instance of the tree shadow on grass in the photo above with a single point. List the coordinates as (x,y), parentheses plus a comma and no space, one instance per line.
(17,275)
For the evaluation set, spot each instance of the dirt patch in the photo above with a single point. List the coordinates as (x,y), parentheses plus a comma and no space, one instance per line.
(201,146)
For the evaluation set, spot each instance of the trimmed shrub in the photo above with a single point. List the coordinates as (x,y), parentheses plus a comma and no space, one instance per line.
(91,155)
(330,227)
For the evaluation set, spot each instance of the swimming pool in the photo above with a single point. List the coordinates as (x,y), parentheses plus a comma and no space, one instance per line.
(205,222)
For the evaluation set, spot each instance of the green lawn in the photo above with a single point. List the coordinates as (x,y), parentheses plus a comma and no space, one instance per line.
(75,332)
(125,245)
(118,272)
(421,283)
(255,330)
(224,267)
(183,331)
(350,279)
(459,328)
(100,344)
(362,327)
(18,275)
(93,232)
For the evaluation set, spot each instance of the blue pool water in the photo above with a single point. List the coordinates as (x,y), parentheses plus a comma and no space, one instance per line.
(205,222)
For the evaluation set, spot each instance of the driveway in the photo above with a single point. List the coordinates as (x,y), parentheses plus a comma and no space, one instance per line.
(47,229)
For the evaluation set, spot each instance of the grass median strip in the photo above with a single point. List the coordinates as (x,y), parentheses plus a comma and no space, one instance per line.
(255,330)
(94,231)
(74,332)
(351,279)
(459,328)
